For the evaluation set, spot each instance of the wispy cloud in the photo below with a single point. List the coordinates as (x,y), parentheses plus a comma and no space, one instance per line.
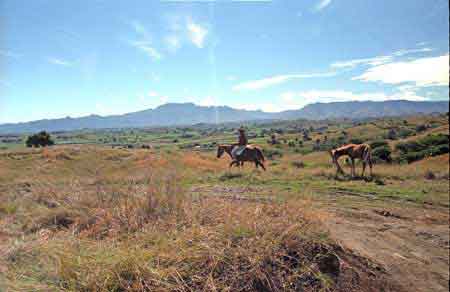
(274,80)
(153,99)
(173,43)
(208,101)
(343,95)
(365,61)
(9,54)
(144,43)
(378,60)
(140,29)
(431,71)
(295,100)
(59,62)
(196,33)
(321,5)
(148,49)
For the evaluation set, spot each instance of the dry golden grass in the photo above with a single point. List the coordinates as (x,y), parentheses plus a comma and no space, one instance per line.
(144,232)
(88,218)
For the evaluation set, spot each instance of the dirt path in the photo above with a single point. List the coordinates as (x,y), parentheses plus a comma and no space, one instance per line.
(410,243)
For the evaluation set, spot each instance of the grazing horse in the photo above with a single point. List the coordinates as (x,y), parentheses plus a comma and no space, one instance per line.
(360,151)
(251,153)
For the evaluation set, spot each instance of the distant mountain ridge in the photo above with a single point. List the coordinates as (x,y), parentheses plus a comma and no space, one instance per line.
(172,114)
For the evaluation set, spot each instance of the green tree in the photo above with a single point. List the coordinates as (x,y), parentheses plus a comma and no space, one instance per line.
(40,139)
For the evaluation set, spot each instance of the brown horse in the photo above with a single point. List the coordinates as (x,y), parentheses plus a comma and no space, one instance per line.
(251,153)
(360,151)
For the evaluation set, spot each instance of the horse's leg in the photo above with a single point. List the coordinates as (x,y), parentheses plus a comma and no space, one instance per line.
(370,166)
(261,164)
(353,167)
(363,168)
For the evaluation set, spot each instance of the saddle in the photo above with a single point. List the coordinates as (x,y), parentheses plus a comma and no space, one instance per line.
(240,151)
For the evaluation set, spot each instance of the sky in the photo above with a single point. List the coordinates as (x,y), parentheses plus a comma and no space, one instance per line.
(76,58)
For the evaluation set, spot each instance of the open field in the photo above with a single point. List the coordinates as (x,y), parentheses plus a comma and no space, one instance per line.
(107,215)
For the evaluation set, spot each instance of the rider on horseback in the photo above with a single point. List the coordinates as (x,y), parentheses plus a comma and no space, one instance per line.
(241,145)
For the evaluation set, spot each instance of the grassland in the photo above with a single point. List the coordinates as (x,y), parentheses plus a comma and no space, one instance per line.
(97,212)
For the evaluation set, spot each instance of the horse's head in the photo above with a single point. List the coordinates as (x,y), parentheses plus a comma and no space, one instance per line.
(220,150)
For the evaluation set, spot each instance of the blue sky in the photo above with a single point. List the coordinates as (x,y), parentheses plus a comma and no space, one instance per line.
(75,58)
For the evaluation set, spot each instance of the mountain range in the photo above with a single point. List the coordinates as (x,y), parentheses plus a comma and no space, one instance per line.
(172,114)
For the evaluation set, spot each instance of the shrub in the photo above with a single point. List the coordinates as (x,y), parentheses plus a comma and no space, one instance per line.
(298,164)
(378,143)
(382,153)
(405,132)
(430,175)
(421,128)
(356,141)
(391,134)
(272,153)
(410,146)
(412,156)
(438,139)
(40,139)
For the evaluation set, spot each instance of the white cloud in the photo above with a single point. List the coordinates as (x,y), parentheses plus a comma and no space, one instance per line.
(343,95)
(379,60)
(274,80)
(155,77)
(430,71)
(267,107)
(153,94)
(196,33)
(295,100)
(144,43)
(321,5)
(141,30)
(410,51)
(173,43)
(9,54)
(231,78)
(60,62)
(148,49)
(365,61)
(153,99)
(208,101)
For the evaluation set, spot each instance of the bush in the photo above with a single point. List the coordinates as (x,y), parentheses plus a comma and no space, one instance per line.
(356,141)
(40,139)
(429,175)
(391,134)
(273,153)
(382,153)
(405,132)
(378,143)
(410,146)
(421,128)
(412,156)
(438,139)
(430,145)
(298,164)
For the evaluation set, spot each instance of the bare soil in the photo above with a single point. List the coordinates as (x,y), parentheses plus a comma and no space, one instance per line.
(395,246)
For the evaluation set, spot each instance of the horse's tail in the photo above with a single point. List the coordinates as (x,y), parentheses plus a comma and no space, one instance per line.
(259,154)
(367,154)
